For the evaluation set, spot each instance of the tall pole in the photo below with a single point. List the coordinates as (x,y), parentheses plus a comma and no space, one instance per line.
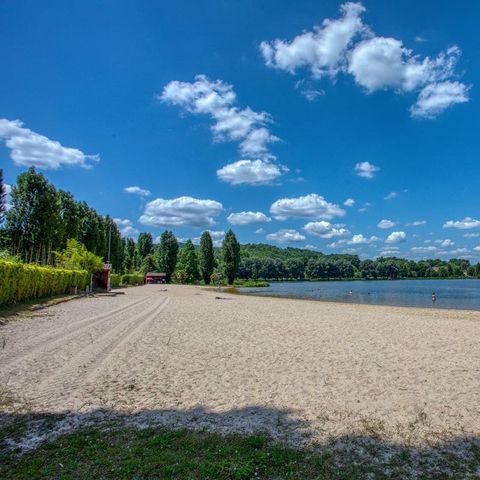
(109,241)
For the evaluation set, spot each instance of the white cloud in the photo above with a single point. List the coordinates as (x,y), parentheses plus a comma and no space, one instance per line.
(28,148)
(251,172)
(437,97)
(259,231)
(375,62)
(366,169)
(391,196)
(126,227)
(349,202)
(386,224)
(430,249)
(138,191)
(471,235)
(445,243)
(396,237)
(322,50)
(230,123)
(416,223)
(464,224)
(286,236)
(8,190)
(217,238)
(357,239)
(181,212)
(389,252)
(308,91)
(247,218)
(309,206)
(477,248)
(324,229)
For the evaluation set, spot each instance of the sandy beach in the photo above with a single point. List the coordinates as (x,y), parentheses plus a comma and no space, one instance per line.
(304,371)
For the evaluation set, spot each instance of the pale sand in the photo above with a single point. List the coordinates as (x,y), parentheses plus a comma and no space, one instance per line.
(304,371)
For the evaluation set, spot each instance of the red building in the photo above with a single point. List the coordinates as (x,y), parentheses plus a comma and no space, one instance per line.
(154,277)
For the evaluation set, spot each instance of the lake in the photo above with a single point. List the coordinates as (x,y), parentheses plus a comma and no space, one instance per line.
(462,294)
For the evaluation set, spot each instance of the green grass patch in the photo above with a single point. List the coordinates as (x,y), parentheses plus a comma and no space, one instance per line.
(251,283)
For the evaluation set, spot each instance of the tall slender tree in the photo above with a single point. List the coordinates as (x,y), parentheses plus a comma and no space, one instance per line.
(166,255)
(206,257)
(144,247)
(187,264)
(230,256)
(3,198)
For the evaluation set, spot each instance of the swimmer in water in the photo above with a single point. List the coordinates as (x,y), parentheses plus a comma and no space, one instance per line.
(434,297)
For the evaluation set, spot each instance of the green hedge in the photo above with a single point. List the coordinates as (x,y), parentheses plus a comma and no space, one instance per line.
(128,279)
(19,281)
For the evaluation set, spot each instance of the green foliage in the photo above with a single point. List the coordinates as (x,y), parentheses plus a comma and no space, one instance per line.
(148,264)
(132,279)
(187,264)
(144,247)
(115,280)
(251,283)
(20,281)
(129,255)
(3,198)
(77,257)
(206,257)
(166,255)
(230,256)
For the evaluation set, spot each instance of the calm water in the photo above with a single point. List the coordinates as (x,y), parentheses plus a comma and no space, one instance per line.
(463,294)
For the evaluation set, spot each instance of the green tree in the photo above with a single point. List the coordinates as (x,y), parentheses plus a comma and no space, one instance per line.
(144,245)
(3,198)
(129,255)
(77,257)
(166,255)
(206,257)
(230,256)
(148,264)
(34,218)
(187,264)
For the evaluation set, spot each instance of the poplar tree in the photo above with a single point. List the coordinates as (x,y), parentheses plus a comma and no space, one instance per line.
(206,257)
(166,255)
(187,265)
(3,198)
(230,256)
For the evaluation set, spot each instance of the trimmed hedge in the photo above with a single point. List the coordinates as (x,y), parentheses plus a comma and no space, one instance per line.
(19,281)
(123,280)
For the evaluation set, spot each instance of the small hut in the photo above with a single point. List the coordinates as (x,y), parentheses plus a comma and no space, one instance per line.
(155,277)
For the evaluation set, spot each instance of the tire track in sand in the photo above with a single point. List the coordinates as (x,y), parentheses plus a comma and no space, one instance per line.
(29,351)
(64,387)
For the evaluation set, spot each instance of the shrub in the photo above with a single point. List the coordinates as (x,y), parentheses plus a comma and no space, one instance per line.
(20,281)
(115,280)
(132,279)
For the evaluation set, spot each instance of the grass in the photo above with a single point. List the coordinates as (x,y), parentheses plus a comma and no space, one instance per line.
(115,451)
(251,283)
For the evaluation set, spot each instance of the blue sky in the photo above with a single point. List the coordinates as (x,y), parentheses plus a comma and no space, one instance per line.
(265,117)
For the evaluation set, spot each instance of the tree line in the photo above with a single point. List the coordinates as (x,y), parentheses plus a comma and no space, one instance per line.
(41,219)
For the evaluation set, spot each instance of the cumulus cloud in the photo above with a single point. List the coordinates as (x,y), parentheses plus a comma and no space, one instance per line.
(465,224)
(251,172)
(324,229)
(323,50)
(181,212)
(349,202)
(358,239)
(217,238)
(126,227)
(138,191)
(230,123)
(386,224)
(308,206)
(396,237)
(375,62)
(445,243)
(366,170)
(416,223)
(471,235)
(286,235)
(29,149)
(477,248)
(437,97)
(247,218)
